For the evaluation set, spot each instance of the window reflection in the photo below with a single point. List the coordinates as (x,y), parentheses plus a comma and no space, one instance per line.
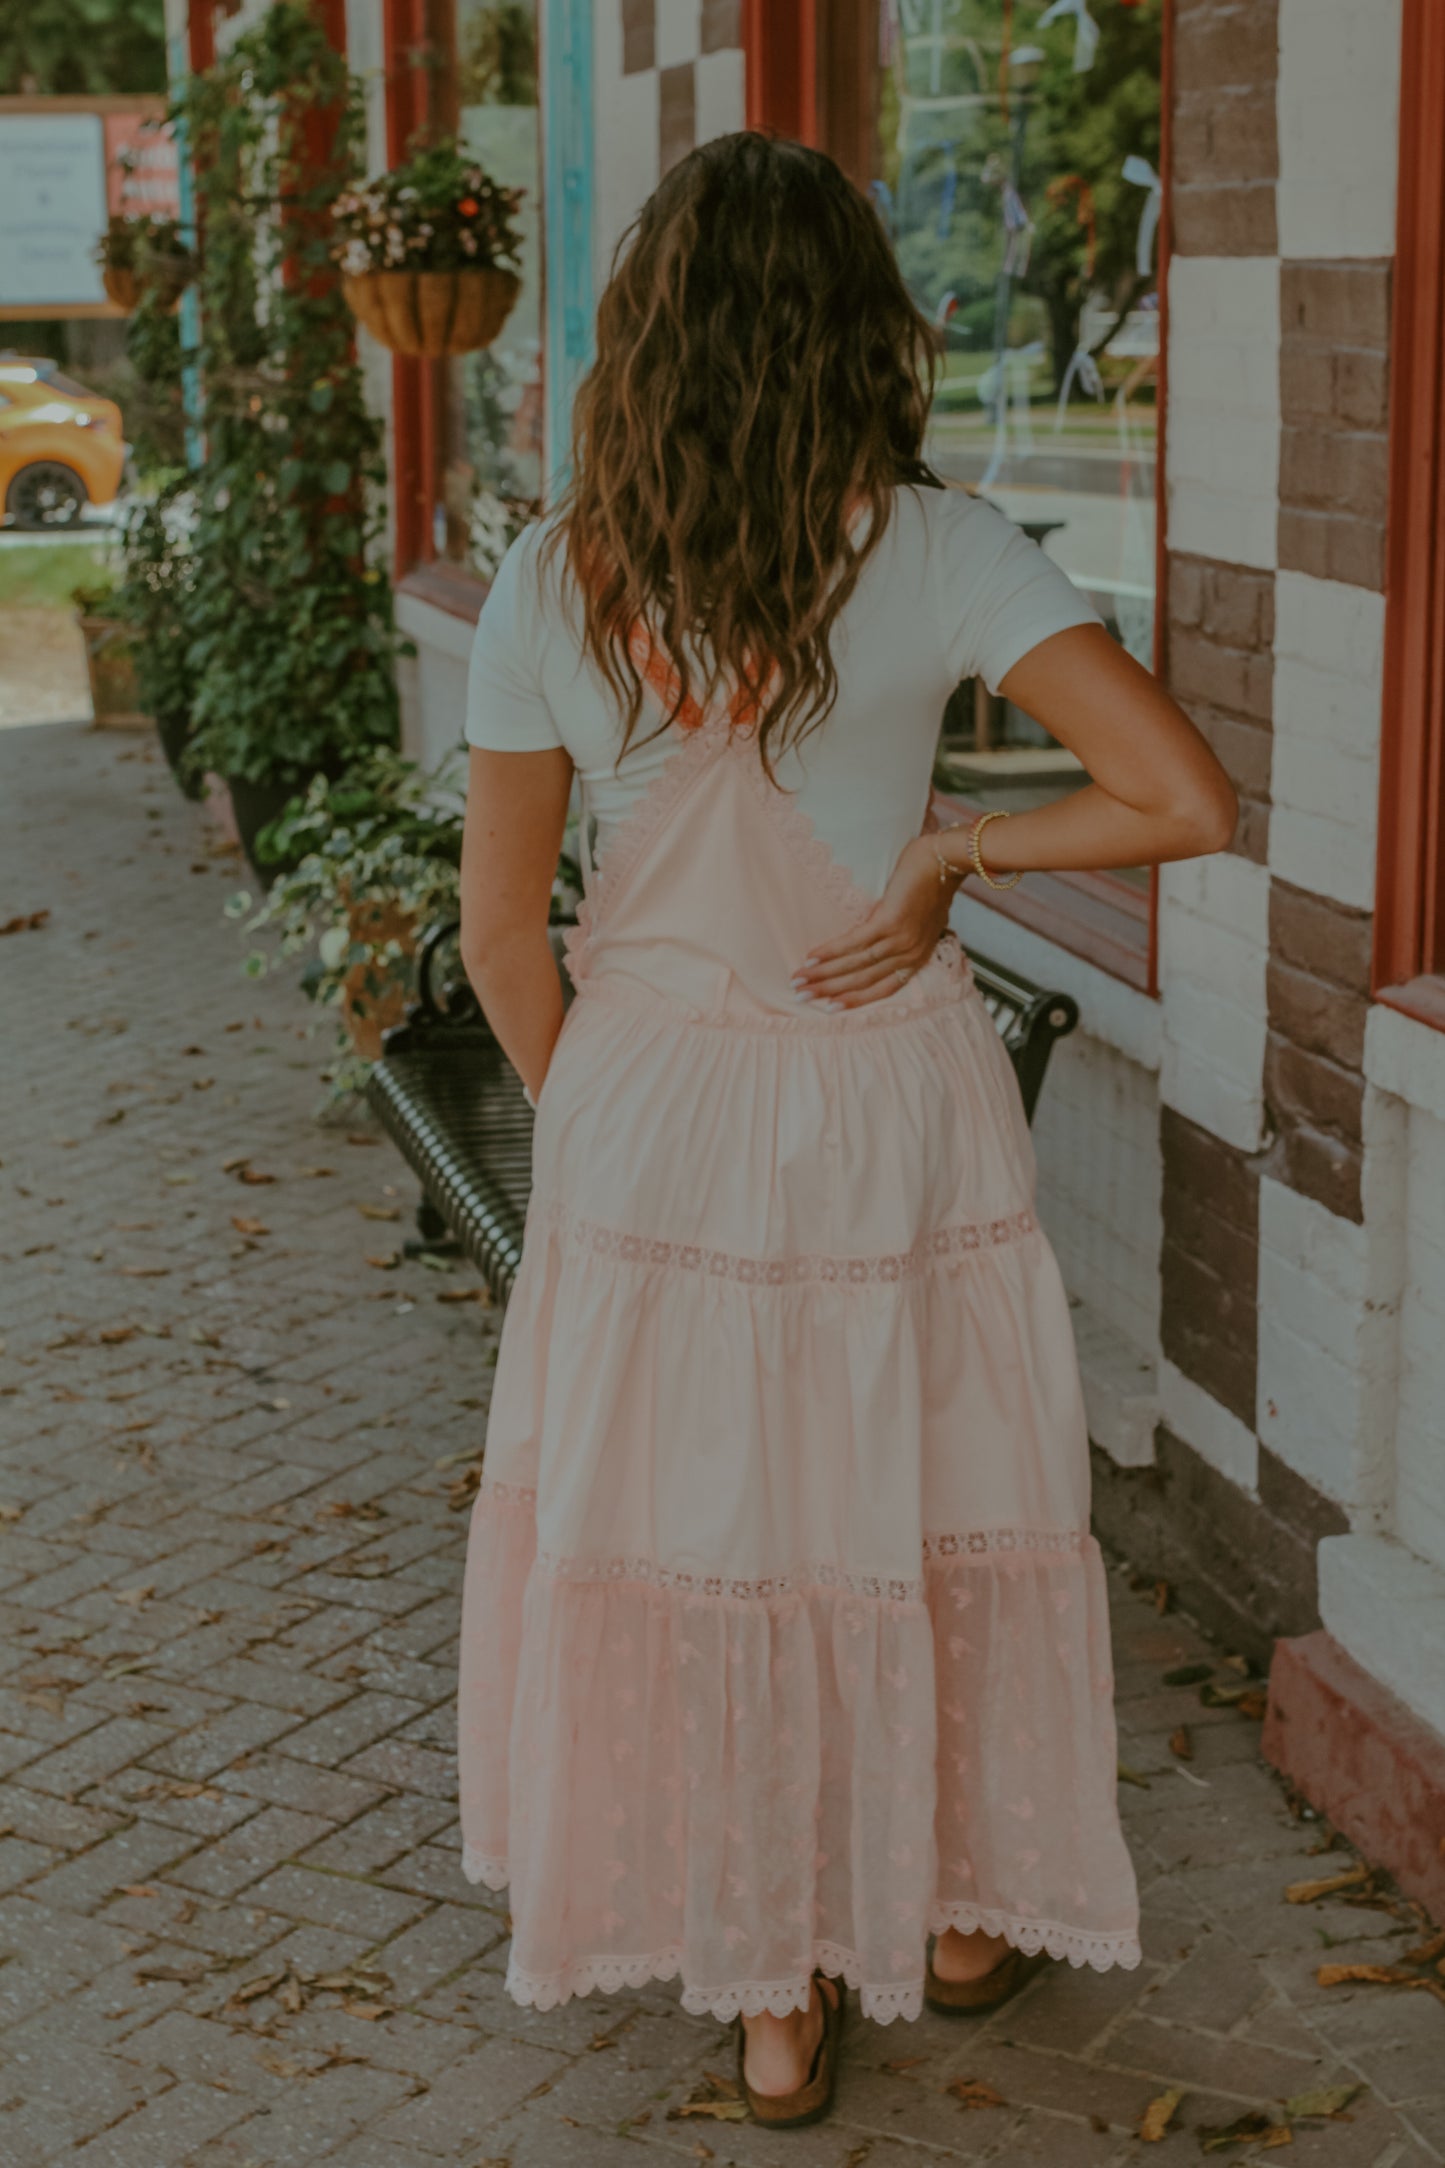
(492,483)
(1017,172)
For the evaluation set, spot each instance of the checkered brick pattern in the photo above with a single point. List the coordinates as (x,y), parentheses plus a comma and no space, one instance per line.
(233,1927)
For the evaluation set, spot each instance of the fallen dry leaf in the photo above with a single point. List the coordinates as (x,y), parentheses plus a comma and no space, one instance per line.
(1254,2129)
(280,2066)
(379,1211)
(253,1990)
(254,1176)
(1188,1674)
(1364,1975)
(1181,1744)
(246,1226)
(973,2093)
(370,2011)
(27,922)
(139,1889)
(166,1969)
(479,1295)
(904,2063)
(1253,1704)
(1331,2101)
(1158,2115)
(1304,1893)
(11,1513)
(714,2098)
(1132,1776)
(135,1596)
(1226,1694)
(1426,1953)
(386,1263)
(1163,1597)
(314,1174)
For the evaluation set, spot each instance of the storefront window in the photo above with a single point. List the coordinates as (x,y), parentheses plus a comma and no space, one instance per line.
(1016,168)
(491,482)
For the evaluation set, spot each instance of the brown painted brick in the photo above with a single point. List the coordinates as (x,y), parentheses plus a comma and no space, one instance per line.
(1195,1160)
(1308,1088)
(1216,46)
(1224,219)
(1332,547)
(1306,382)
(677,113)
(1244,140)
(1344,303)
(1320,1165)
(1334,470)
(1200,669)
(1245,748)
(1239,607)
(1210,1262)
(1251,832)
(639,35)
(1186,589)
(1318,935)
(1362,388)
(722,25)
(1315,1015)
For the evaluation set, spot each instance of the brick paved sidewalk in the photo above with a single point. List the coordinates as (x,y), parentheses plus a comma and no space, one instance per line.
(233,1928)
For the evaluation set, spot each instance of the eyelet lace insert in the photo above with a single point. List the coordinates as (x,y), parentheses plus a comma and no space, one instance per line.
(942,1248)
(799,1580)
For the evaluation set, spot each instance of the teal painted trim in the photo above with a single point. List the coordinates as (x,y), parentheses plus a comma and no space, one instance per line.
(568,179)
(177,68)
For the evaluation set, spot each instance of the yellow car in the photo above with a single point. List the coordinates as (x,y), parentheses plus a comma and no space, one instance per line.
(60,448)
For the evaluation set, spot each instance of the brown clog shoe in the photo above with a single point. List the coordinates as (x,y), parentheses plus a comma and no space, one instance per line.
(970,1998)
(813,2099)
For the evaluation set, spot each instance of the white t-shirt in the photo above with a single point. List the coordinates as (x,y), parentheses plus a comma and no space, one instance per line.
(954,590)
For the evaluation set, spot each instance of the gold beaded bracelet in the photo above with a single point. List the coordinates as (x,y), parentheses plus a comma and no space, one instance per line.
(976,855)
(948,871)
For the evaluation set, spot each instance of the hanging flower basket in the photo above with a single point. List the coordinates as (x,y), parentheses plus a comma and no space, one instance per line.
(142,255)
(432,312)
(429,253)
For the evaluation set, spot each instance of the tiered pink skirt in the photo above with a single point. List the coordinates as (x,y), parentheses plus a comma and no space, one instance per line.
(785,1640)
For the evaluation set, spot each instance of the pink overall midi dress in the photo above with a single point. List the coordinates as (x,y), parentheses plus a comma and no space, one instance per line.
(785,1642)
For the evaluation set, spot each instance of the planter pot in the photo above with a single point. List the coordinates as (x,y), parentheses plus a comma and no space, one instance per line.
(173,729)
(432,312)
(374,996)
(170,276)
(255,806)
(111,666)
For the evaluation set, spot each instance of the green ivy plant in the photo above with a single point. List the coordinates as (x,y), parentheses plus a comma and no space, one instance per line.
(289,635)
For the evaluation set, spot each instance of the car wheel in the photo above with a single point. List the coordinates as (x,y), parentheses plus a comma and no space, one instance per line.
(46,494)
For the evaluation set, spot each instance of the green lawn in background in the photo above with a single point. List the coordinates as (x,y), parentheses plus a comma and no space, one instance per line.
(40,575)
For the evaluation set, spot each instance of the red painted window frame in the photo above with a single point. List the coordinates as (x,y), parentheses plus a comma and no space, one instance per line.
(1409,963)
(1107,921)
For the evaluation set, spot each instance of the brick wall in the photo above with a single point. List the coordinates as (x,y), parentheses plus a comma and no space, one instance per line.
(1319,979)
(1221,632)
(1334,416)
(1226,155)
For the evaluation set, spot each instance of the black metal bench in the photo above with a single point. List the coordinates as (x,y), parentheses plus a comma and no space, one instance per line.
(453,1104)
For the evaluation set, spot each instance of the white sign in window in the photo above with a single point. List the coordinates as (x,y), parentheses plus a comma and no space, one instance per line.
(52,209)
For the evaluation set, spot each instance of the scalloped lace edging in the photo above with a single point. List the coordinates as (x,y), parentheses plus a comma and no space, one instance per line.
(880,2002)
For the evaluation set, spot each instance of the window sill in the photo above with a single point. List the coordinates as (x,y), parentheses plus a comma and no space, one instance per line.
(445,587)
(1092,915)
(1422,998)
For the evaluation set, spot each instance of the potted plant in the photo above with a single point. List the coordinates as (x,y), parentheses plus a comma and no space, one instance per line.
(370,859)
(156,550)
(290,642)
(429,253)
(373,860)
(109,657)
(139,254)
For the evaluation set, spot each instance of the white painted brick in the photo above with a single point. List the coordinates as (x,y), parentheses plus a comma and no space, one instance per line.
(1213,952)
(1327,1345)
(1121,1390)
(679,31)
(1329,660)
(1386,1608)
(1420,1416)
(626,153)
(1096,1135)
(1222,449)
(1216,1435)
(721,94)
(1406,1058)
(1338,110)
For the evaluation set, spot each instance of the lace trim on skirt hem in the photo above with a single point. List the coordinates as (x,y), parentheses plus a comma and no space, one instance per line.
(750,1998)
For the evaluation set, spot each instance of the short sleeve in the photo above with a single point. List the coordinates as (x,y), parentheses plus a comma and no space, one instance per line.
(507,711)
(998,594)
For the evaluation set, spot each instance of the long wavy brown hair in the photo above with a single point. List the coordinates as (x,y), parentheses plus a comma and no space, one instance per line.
(762,379)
